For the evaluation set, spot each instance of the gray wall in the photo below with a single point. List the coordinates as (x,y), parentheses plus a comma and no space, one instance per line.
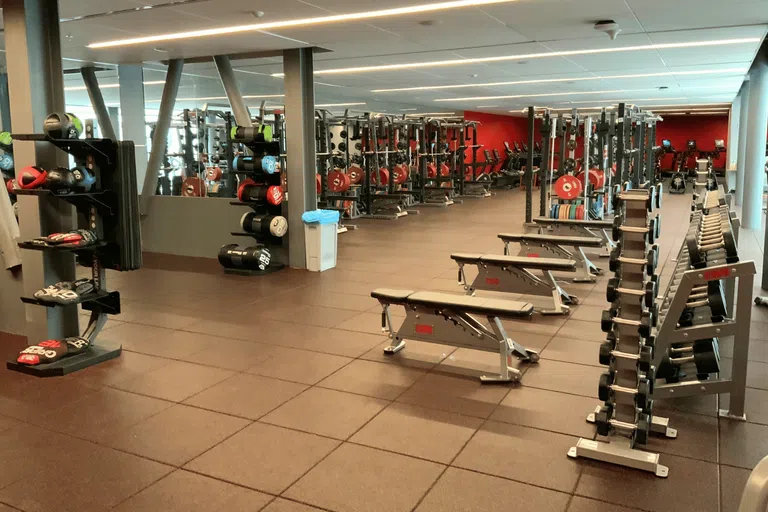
(12,315)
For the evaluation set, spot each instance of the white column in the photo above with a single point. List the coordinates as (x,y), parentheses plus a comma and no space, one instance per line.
(133,125)
(741,158)
(754,172)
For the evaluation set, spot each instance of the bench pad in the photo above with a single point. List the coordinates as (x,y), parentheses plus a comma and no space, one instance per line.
(390,295)
(459,303)
(499,260)
(597,224)
(575,241)
(466,257)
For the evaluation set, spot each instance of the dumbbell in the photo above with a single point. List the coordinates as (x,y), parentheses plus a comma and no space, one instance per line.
(643,360)
(698,254)
(648,196)
(607,390)
(651,231)
(604,422)
(647,295)
(644,325)
(702,353)
(649,263)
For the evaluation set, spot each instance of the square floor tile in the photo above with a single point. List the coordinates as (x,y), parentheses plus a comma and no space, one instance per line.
(175,381)
(264,457)
(465,491)
(571,350)
(281,505)
(183,491)
(702,404)
(323,316)
(6,423)
(176,435)
(129,333)
(249,396)
(171,344)
(755,405)
(415,354)
(497,447)
(126,367)
(474,363)
(587,313)
(364,322)
(451,393)
(581,330)
(742,444)
(386,381)
(326,412)
(579,504)
(691,485)
(576,379)
(757,373)
(296,365)
(31,399)
(340,342)
(697,437)
(732,482)
(230,354)
(424,433)
(547,410)
(349,478)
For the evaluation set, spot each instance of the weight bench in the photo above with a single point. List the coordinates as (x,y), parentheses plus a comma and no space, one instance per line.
(553,246)
(446,318)
(511,274)
(574,227)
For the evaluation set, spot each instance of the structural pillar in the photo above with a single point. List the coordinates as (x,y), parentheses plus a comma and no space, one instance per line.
(5,104)
(36,87)
(133,125)
(114,118)
(754,172)
(732,150)
(741,157)
(300,147)
(227,75)
(160,138)
(97,102)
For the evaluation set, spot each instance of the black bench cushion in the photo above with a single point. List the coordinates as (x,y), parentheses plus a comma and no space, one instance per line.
(390,295)
(583,241)
(528,262)
(597,224)
(473,305)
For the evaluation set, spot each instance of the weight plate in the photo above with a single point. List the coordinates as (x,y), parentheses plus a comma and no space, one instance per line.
(338,181)
(568,187)
(355,174)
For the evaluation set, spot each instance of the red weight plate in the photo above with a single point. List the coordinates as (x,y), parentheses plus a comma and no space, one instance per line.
(355,174)
(431,171)
(193,187)
(382,176)
(444,170)
(338,181)
(241,189)
(400,174)
(275,195)
(213,173)
(318,183)
(568,187)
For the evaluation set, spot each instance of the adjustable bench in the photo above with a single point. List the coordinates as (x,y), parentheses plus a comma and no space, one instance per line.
(553,246)
(574,227)
(510,274)
(447,319)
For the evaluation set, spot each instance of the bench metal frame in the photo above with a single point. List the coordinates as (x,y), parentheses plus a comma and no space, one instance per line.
(516,279)
(574,227)
(555,248)
(449,326)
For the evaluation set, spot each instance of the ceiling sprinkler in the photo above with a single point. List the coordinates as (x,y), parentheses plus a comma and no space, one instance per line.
(610,27)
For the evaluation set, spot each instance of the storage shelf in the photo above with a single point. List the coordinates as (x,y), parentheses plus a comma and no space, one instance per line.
(91,356)
(99,295)
(58,248)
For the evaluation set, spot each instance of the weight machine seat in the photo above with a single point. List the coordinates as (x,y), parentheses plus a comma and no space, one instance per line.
(461,303)
(498,260)
(584,241)
(599,224)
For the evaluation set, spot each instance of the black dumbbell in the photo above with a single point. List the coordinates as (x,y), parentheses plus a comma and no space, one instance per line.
(698,254)
(640,429)
(607,389)
(644,359)
(703,353)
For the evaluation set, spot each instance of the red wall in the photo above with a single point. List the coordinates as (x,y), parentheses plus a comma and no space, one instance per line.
(703,129)
(495,129)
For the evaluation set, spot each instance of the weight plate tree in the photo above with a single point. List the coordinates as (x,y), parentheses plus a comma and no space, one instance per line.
(626,418)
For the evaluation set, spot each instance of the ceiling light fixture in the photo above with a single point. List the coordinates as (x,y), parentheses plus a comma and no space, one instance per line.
(540,95)
(408,109)
(487,106)
(215,98)
(432,114)
(340,104)
(679,106)
(623,100)
(110,86)
(565,53)
(566,80)
(357,16)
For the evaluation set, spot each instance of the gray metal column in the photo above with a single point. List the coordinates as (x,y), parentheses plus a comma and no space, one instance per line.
(741,157)
(227,75)
(134,127)
(5,104)
(300,151)
(114,117)
(36,86)
(754,172)
(97,101)
(731,151)
(160,138)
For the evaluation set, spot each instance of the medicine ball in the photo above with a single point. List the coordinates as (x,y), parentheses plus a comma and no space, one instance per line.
(60,180)
(63,126)
(6,161)
(275,225)
(84,179)
(31,177)
(6,139)
(11,185)
(250,258)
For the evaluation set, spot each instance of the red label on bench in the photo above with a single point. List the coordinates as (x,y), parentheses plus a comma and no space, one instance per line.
(494,281)
(533,255)
(424,329)
(719,273)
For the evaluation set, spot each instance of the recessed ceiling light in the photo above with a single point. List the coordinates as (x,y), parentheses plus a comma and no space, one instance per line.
(235,29)
(544,55)
(566,80)
(663,88)
(535,95)
(161,50)
(473,75)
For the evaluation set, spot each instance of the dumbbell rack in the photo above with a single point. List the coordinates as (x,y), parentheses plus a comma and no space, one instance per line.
(259,148)
(690,284)
(626,418)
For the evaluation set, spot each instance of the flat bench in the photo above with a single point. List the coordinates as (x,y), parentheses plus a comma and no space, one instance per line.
(446,319)
(576,227)
(554,246)
(512,274)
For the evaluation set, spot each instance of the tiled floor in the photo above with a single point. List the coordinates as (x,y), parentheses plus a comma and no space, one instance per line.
(273,394)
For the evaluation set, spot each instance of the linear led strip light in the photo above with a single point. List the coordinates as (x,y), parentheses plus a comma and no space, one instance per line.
(560,80)
(543,95)
(336,18)
(215,98)
(110,86)
(528,56)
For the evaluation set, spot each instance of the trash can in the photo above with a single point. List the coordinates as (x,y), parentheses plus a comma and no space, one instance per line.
(320,232)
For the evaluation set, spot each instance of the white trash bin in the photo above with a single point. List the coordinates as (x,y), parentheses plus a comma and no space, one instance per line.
(321,245)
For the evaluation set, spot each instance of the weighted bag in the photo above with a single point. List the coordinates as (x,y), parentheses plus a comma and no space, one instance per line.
(31,177)
(267,164)
(250,258)
(83,179)
(249,190)
(63,126)
(275,225)
(252,133)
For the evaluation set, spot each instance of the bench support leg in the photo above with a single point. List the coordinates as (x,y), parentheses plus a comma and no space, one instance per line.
(588,269)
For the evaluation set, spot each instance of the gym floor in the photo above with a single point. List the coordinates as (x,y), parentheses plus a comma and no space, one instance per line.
(273,394)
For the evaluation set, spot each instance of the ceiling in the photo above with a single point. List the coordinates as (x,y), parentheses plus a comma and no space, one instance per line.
(513,28)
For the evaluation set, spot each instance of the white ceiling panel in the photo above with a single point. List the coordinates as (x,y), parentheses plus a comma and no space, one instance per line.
(655,15)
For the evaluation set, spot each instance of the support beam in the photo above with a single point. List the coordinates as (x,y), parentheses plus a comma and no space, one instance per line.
(754,172)
(114,117)
(97,102)
(160,138)
(732,151)
(36,87)
(300,145)
(236,101)
(131,80)
(741,158)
